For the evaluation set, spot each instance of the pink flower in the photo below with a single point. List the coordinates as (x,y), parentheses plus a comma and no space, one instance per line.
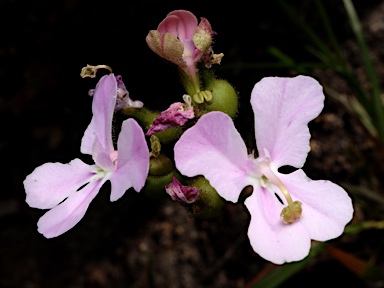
(317,210)
(180,193)
(176,115)
(181,40)
(68,189)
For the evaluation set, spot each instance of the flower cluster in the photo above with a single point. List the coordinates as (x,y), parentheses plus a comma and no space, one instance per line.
(209,162)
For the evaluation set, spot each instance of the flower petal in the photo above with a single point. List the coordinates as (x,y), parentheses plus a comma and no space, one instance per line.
(269,236)
(66,215)
(180,23)
(133,160)
(103,105)
(283,107)
(51,183)
(214,148)
(101,157)
(327,208)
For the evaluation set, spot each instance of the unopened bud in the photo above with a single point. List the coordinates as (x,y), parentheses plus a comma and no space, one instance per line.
(224,97)
(161,172)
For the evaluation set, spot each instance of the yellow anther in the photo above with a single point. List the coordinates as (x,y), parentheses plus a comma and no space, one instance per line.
(202,96)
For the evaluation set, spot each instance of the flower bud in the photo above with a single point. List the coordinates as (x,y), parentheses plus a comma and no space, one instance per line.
(161,173)
(160,165)
(224,97)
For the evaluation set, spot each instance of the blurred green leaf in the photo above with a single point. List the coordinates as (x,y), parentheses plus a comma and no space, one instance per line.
(353,106)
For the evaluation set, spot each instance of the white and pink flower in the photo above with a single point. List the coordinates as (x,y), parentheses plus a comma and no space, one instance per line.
(68,189)
(287,210)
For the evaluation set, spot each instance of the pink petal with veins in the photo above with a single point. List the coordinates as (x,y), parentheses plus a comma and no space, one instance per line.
(327,208)
(66,215)
(214,148)
(180,23)
(133,160)
(283,107)
(51,183)
(103,106)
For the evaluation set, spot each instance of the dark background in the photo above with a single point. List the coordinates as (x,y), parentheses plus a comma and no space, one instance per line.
(44,110)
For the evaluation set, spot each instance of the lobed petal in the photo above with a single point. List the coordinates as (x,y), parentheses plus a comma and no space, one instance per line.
(327,208)
(50,183)
(214,148)
(103,106)
(66,215)
(283,107)
(133,160)
(269,236)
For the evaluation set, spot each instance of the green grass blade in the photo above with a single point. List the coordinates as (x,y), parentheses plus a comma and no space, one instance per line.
(371,73)
(304,27)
